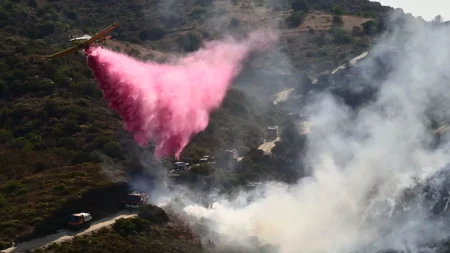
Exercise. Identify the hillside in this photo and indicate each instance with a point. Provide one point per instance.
(57, 134)
(131, 235)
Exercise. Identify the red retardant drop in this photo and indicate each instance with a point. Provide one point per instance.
(169, 103)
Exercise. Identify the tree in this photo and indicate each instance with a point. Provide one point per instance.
(369, 27)
(438, 19)
(356, 31)
(153, 213)
(4, 16)
(300, 5)
(340, 37)
(337, 20)
(337, 10)
(295, 19)
(190, 42)
(154, 33)
(322, 40)
(113, 149)
(32, 3)
(71, 15)
(124, 227)
(46, 29)
(234, 22)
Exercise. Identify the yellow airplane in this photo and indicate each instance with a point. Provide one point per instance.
(85, 41)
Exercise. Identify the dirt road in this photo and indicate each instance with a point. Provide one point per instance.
(267, 146)
(282, 96)
(66, 234)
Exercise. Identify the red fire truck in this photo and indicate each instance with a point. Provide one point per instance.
(135, 199)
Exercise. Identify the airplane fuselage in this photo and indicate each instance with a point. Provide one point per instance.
(80, 40)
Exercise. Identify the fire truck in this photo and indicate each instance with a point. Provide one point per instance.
(135, 199)
(80, 220)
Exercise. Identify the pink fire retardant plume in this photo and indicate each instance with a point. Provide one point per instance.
(169, 103)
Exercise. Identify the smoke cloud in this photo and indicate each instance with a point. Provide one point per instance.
(364, 161)
(169, 103)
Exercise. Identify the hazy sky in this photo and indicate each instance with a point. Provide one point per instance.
(428, 9)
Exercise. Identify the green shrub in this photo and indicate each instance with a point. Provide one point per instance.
(5, 136)
(341, 37)
(33, 138)
(60, 188)
(51, 106)
(204, 2)
(40, 166)
(14, 186)
(300, 5)
(37, 220)
(18, 74)
(203, 169)
(295, 19)
(234, 22)
(259, 3)
(173, 20)
(154, 33)
(113, 150)
(46, 29)
(199, 13)
(45, 86)
(4, 16)
(322, 40)
(99, 142)
(82, 157)
(153, 213)
(20, 143)
(337, 10)
(3, 201)
(369, 27)
(70, 143)
(337, 20)
(32, 3)
(71, 15)
(5, 244)
(190, 42)
(70, 127)
(124, 227)
(357, 31)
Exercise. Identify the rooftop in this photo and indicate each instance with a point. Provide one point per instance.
(81, 214)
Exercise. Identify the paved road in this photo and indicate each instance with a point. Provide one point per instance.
(64, 235)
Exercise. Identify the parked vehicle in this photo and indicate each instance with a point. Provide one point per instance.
(80, 220)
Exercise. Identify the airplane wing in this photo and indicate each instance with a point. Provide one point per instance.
(101, 34)
(64, 52)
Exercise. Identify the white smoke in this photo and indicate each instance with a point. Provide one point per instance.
(362, 162)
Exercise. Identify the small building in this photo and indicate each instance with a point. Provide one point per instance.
(233, 154)
(227, 158)
(207, 159)
(181, 166)
(272, 132)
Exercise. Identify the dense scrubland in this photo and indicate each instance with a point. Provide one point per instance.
(56, 132)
